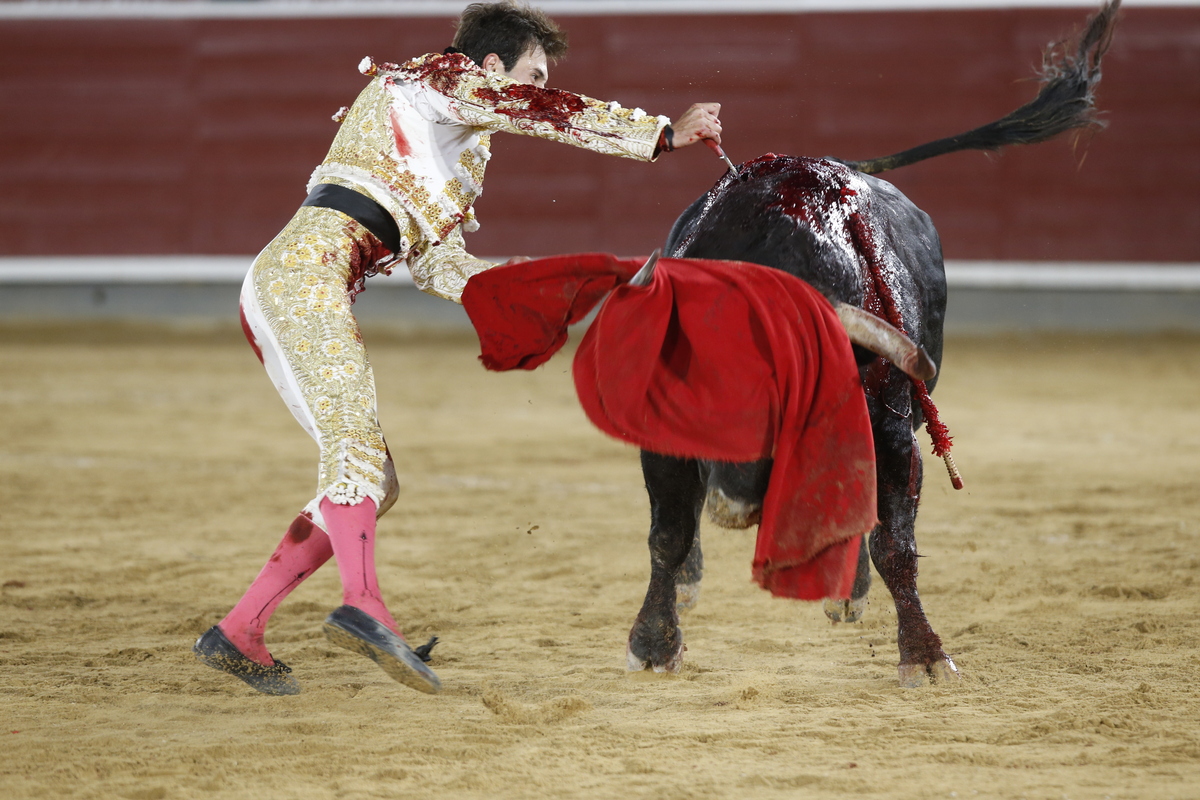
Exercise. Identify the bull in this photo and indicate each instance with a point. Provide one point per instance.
(865, 246)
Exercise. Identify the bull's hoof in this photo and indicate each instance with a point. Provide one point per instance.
(913, 676)
(687, 595)
(845, 610)
(672, 664)
(729, 512)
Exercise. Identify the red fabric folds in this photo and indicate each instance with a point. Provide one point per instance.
(521, 311)
(714, 360)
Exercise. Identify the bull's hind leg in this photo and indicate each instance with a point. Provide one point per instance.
(676, 490)
(894, 546)
(687, 579)
(734, 497)
(736, 491)
(852, 610)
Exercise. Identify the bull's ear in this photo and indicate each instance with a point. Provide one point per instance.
(646, 273)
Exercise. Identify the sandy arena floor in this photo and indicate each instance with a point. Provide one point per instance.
(148, 474)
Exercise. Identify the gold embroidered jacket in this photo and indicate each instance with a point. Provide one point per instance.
(416, 141)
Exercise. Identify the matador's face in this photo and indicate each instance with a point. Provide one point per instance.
(530, 67)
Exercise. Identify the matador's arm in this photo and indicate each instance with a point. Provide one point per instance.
(443, 269)
(497, 103)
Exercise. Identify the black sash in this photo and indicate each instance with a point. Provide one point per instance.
(360, 208)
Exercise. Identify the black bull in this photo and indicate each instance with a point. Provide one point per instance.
(857, 240)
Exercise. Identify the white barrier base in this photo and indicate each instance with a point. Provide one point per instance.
(985, 296)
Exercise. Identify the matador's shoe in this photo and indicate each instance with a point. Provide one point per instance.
(215, 650)
(358, 631)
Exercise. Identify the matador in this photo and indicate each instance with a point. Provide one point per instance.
(398, 185)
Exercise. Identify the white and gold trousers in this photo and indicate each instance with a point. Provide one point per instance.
(296, 311)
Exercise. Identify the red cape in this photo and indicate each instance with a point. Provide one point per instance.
(715, 360)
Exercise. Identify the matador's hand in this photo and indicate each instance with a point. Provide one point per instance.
(699, 122)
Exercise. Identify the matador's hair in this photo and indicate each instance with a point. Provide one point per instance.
(509, 29)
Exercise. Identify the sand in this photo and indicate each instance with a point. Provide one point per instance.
(149, 473)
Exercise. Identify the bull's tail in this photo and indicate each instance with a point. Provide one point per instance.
(1069, 74)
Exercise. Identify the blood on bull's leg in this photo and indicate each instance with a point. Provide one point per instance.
(676, 490)
(893, 541)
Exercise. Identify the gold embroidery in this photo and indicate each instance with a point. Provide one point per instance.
(472, 164)
(301, 282)
(444, 269)
(454, 189)
(432, 200)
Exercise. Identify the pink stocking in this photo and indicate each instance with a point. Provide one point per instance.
(352, 533)
(298, 555)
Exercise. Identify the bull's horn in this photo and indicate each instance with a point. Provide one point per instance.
(646, 273)
(869, 331)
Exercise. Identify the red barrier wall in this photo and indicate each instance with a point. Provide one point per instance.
(198, 136)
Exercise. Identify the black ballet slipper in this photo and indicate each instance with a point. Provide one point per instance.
(361, 633)
(215, 650)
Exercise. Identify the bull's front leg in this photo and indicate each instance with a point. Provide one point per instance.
(893, 541)
(676, 488)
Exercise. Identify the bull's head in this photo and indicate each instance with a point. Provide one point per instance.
(864, 329)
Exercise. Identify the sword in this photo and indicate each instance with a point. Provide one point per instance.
(716, 148)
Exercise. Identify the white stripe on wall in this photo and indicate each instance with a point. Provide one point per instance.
(1025, 275)
(139, 269)
(1073, 276)
(213, 9)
